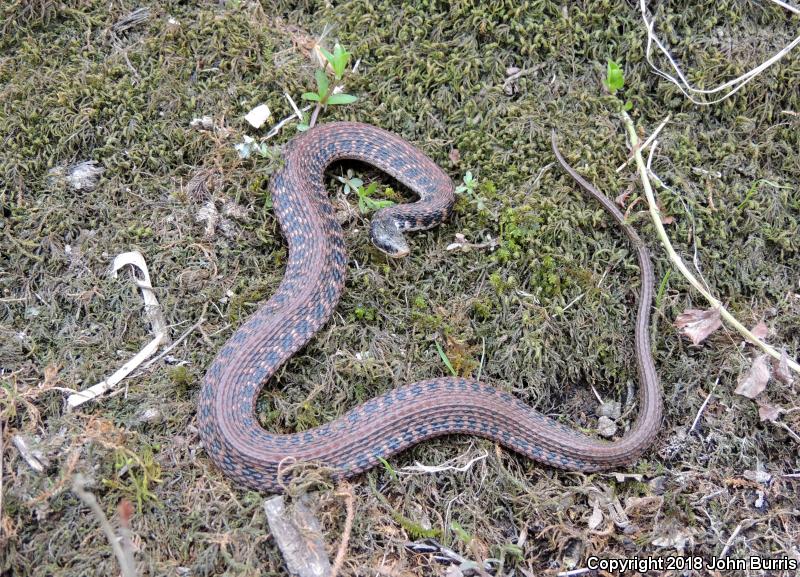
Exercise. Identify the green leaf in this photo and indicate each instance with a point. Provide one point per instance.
(342, 99)
(461, 533)
(662, 287)
(356, 183)
(303, 127)
(322, 83)
(328, 56)
(468, 177)
(370, 190)
(340, 59)
(389, 468)
(445, 360)
(415, 530)
(512, 550)
(614, 77)
(374, 204)
(628, 105)
(311, 96)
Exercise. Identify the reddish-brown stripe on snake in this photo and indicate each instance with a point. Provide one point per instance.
(305, 300)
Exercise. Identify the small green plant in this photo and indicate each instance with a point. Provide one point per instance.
(326, 90)
(662, 288)
(468, 186)
(250, 146)
(363, 313)
(615, 80)
(415, 530)
(141, 472)
(351, 182)
(509, 551)
(754, 188)
(389, 469)
(470, 189)
(366, 202)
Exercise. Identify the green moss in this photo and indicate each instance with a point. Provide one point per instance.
(482, 308)
(180, 376)
(546, 278)
(415, 530)
(550, 310)
(363, 313)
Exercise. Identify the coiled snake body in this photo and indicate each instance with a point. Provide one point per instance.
(405, 416)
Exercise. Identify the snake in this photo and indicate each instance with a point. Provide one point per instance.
(305, 299)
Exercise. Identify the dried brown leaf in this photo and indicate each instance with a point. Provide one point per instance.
(767, 412)
(755, 380)
(759, 476)
(320, 59)
(622, 197)
(298, 533)
(642, 505)
(761, 330)
(125, 511)
(782, 372)
(50, 375)
(697, 325)
(666, 219)
(455, 156)
(674, 538)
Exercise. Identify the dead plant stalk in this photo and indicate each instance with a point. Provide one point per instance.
(655, 215)
(346, 492)
(121, 548)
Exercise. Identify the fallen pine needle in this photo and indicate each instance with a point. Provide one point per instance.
(703, 407)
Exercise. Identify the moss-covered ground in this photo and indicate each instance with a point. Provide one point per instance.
(546, 315)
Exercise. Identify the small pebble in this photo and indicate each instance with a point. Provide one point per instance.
(606, 427)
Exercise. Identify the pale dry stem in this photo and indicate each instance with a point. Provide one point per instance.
(655, 215)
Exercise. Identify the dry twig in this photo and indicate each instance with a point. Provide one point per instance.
(158, 327)
(125, 558)
(655, 215)
(680, 80)
(703, 407)
(345, 491)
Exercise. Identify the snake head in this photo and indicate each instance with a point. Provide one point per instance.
(387, 237)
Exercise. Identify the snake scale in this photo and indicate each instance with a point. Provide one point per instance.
(305, 300)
